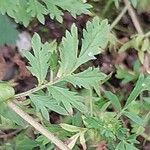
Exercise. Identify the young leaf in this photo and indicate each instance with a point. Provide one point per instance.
(87, 79)
(114, 99)
(43, 103)
(74, 7)
(38, 61)
(134, 117)
(69, 99)
(36, 9)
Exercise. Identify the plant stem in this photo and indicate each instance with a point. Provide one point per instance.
(37, 126)
(134, 17)
(119, 17)
(36, 89)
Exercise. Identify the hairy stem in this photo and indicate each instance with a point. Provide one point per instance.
(37, 126)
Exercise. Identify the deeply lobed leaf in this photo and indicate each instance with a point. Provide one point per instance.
(38, 61)
(68, 99)
(45, 103)
(95, 38)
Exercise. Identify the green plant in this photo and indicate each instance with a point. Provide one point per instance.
(77, 96)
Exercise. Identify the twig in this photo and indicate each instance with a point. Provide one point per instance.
(37, 126)
(115, 22)
(133, 17)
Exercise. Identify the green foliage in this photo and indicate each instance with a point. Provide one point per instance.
(38, 61)
(114, 99)
(24, 10)
(36, 9)
(134, 117)
(87, 79)
(42, 103)
(69, 99)
(141, 85)
(86, 115)
(95, 38)
(8, 32)
(74, 7)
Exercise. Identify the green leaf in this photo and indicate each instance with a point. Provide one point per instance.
(71, 128)
(40, 60)
(21, 15)
(88, 79)
(136, 91)
(74, 7)
(134, 117)
(114, 99)
(8, 31)
(43, 103)
(23, 10)
(36, 9)
(141, 85)
(53, 10)
(6, 92)
(95, 38)
(68, 51)
(8, 6)
(93, 123)
(69, 99)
